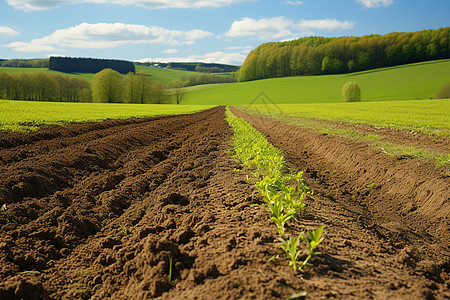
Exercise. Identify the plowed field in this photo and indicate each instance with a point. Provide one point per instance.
(94, 211)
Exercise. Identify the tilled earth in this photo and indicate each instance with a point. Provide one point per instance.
(95, 211)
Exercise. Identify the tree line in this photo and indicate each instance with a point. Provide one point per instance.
(107, 86)
(89, 65)
(208, 79)
(194, 67)
(321, 55)
(25, 63)
(40, 86)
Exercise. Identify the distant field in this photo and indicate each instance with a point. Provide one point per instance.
(165, 75)
(27, 115)
(423, 116)
(408, 82)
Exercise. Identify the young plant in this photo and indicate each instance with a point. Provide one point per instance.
(125, 229)
(311, 243)
(290, 246)
(170, 269)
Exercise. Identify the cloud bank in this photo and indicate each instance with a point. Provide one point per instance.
(221, 57)
(108, 35)
(30, 5)
(375, 3)
(282, 27)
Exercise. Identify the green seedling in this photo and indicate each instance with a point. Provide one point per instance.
(290, 246)
(311, 244)
(370, 186)
(125, 230)
(170, 269)
(28, 272)
(280, 221)
(5, 216)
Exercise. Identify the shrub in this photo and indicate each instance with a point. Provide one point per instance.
(444, 92)
(351, 92)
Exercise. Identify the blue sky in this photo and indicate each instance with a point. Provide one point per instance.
(222, 31)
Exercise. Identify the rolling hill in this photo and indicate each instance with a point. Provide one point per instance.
(406, 82)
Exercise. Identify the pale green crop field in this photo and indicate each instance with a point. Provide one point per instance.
(421, 116)
(27, 115)
(408, 82)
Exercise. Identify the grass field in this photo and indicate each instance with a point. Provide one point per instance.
(422, 116)
(27, 115)
(408, 82)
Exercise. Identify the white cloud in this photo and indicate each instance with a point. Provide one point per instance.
(171, 51)
(243, 48)
(7, 31)
(266, 28)
(29, 5)
(325, 24)
(108, 35)
(375, 3)
(282, 27)
(295, 3)
(229, 58)
(32, 47)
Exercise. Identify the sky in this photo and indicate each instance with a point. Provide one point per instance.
(220, 31)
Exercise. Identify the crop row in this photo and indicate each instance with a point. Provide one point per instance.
(282, 193)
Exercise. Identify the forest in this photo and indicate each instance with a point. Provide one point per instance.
(321, 55)
(89, 65)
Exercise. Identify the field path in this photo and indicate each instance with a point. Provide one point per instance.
(93, 211)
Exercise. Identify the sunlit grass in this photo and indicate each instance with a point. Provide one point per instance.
(27, 115)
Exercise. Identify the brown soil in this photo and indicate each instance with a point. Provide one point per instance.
(94, 210)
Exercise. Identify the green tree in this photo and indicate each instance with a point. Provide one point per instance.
(107, 86)
(158, 94)
(351, 92)
(444, 92)
(177, 90)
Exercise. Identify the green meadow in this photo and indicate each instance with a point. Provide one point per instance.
(408, 82)
(27, 115)
(421, 116)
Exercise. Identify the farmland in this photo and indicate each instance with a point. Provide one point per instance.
(103, 210)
